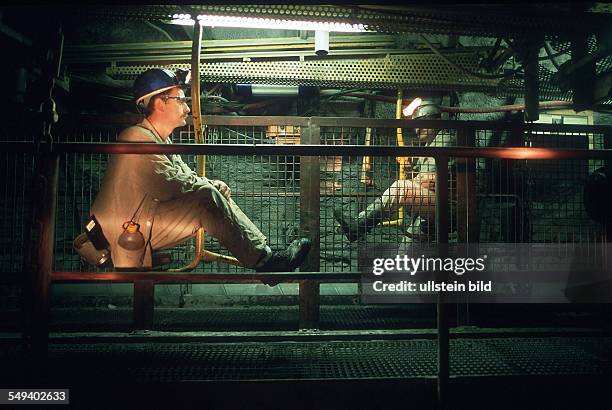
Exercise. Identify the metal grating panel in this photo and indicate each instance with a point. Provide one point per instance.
(468, 20)
(153, 362)
(417, 71)
(227, 319)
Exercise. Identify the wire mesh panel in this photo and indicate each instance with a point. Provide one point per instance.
(502, 192)
(513, 201)
(535, 200)
(556, 208)
(406, 196)
(15, 194)
(80, 177)
(265, 187)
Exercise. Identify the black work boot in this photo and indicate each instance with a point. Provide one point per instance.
(367, 219)
(289, 259)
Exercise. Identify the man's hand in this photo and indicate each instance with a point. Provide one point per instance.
(426, 180)
(406, 162)
(222, 187)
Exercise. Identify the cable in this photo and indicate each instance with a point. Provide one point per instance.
(555, 55)
(465, 70)
(148, 23)
(550, 56)
(342, 92)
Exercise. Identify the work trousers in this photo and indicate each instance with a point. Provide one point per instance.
(178, 219)
(416, 199)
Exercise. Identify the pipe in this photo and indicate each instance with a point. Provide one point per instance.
(401, 160)
(366, 162)
(505, 108)
(234, 277)
(201, 254)
(325, 150)
(273, 90)
(442, 310)
(196, 115)
(321, 42)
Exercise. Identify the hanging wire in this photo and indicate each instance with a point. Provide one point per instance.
(465, 70)
(549, 53)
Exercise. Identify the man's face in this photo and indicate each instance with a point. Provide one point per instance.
(175, 109)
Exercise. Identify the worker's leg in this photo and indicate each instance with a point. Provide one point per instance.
(177, 220)
(417, 199)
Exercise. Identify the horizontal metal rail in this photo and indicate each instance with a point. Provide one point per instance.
(255, 121)
(180, 51)
(212, 46)
(180, 277)
(309, 150)
(396, 123)
(178, 58)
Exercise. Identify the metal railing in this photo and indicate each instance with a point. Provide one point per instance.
(39, 273)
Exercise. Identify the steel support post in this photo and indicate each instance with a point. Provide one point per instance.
(607, 144)
(442, 314)
(467, 223)
(144, 301)
(309, 225)
(39, 263)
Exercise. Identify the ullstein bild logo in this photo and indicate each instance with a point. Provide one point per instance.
(406, 264)
(432, 286)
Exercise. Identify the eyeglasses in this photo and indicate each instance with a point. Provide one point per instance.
(181, 100)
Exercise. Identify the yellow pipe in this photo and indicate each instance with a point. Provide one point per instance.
(196, 113)
(366, 162)
(201, 254)
(401, 160)
(209, 256)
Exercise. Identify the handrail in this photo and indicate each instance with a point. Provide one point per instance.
(362, 122)
(182, 277)
(310, 150)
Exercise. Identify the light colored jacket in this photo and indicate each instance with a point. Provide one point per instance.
(127, 179)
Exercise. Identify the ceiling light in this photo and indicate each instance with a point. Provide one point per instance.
(265, 23)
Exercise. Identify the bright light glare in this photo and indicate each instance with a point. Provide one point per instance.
(267, 23)
(409, 109)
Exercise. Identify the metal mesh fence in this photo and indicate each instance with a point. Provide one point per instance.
(535, 200)
(356, 183)
(511, 201)
(15, 200)
(80, 177)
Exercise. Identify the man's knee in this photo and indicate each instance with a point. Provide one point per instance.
(208, 194)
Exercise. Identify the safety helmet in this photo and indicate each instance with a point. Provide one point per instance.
(429, 108)
(155, 81)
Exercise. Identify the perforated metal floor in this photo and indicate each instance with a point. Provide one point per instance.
(340, 317)
(164, 362)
